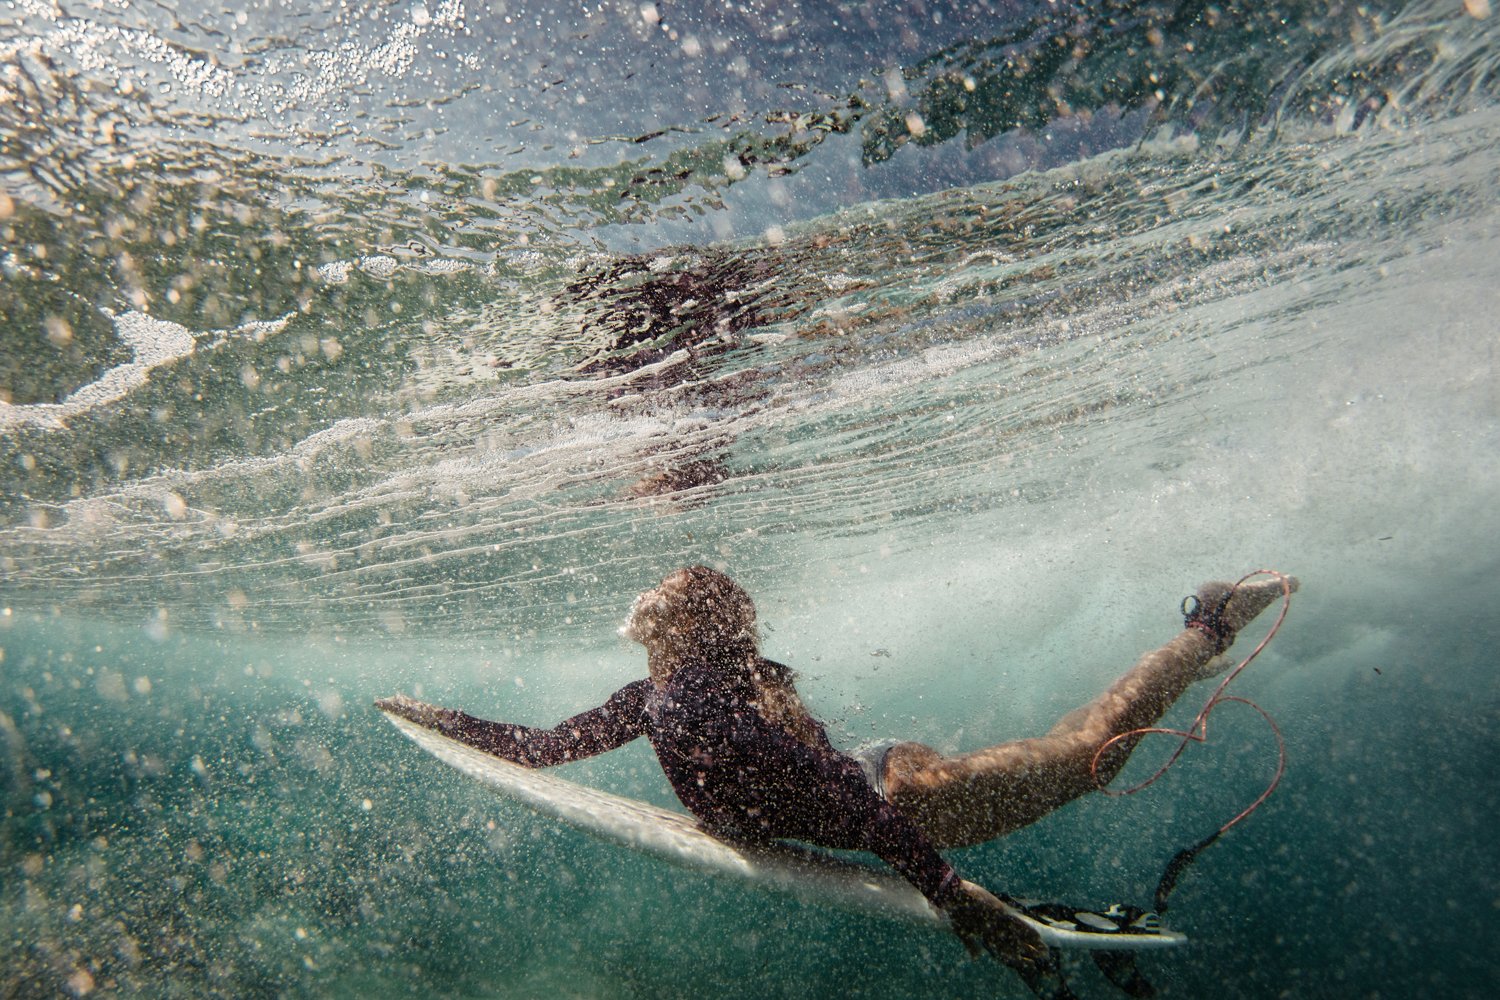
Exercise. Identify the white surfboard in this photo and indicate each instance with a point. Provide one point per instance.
(676, 838)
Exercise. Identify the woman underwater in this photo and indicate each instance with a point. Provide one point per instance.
(751, 763)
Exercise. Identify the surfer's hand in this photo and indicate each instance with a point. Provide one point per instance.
(420, 712)
(981, 921)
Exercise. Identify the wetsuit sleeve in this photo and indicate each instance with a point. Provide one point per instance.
(618, 721)
(814, 794)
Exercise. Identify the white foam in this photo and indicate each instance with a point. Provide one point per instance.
(153, 342)
(338, 433)
(299, 79)
(378, 265)
(335, 272)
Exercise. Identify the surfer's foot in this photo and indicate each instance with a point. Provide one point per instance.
(420, 712)
(1226, 609)
(982, 922)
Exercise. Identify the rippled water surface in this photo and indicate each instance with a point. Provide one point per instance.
(396, 346)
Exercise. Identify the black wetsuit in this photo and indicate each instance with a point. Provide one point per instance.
(743, 777)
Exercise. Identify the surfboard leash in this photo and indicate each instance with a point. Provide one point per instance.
(1207, 620)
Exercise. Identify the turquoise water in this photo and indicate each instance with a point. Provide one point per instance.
(397, 348)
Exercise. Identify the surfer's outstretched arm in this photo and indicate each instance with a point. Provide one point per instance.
(611, 725)
(974, 797)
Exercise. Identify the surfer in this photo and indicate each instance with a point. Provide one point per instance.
(746, 757)
(753, 765)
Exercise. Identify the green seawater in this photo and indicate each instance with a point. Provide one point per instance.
(196, 816)
(398, 346)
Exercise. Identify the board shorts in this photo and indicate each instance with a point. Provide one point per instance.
(871, 759)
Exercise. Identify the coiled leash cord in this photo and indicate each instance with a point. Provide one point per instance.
(1211, 622)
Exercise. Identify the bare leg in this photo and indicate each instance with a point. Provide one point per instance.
(978, 796)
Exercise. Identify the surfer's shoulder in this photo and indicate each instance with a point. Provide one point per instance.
(700, 687)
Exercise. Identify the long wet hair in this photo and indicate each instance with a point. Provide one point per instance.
(714, 618)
